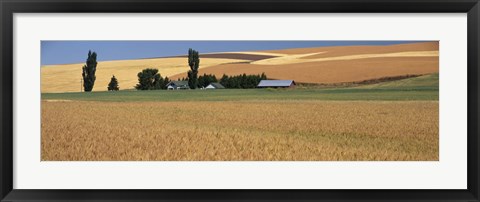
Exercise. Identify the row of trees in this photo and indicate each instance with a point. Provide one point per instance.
(150, 79)
(242, 81)
(237, 81)
(203, 80)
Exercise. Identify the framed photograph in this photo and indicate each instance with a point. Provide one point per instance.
(239, 100)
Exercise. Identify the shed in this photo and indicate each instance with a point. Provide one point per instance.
(215, 86)
(276, 84)
(176, 85)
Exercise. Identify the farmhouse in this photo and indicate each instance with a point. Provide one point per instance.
(215, 86)
(177, 85)
(276, 84)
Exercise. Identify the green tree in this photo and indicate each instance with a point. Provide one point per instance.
(165, 82)
(193, 62)
(224, 81)
(210, 79)
(243, 81)
(88, 71)
(113, 85)
(202, 80)
(149, 79)
(239, 81)
(263, 76)
(206, 79)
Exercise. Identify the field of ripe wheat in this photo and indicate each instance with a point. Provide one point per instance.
(262, 130)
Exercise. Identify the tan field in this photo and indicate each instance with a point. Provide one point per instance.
(307, 65)
(334, 71)
(335, 51)
(67, 78)
(329, 65)
(261, 53)
(303, 58)
(259, 130)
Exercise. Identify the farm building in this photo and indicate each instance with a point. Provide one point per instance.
(177, 85)
(215, 86)
(276, 84)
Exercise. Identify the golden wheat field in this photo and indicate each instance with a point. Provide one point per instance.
(240, 130)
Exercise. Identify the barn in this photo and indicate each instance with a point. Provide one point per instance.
(215, 86)
(177, 85)
(276, 84)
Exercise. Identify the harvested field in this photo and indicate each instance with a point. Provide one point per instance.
(303, 58)
(335, 51)
(260, 53)
(337, 71)
(299, 130)
(237, 56)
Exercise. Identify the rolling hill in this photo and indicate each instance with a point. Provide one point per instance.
(326, 65)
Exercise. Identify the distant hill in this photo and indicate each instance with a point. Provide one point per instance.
(340, 64)
(306, 65)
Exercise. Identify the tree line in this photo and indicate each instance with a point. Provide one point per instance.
(242, 81)
(236, 81)
(150, 78)
(203, 80)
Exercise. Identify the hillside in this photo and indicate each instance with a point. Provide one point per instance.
(339, 64)
(307, 65)
(67, 78)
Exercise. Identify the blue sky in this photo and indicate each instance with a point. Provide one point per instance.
(66, 52)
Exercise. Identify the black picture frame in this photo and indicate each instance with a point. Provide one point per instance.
(9, 7)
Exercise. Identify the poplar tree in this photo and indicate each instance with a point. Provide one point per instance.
(88, 71)
(193, 62)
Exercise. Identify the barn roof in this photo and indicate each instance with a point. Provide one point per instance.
(178, 83)
(217, 85)
(275, 83)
